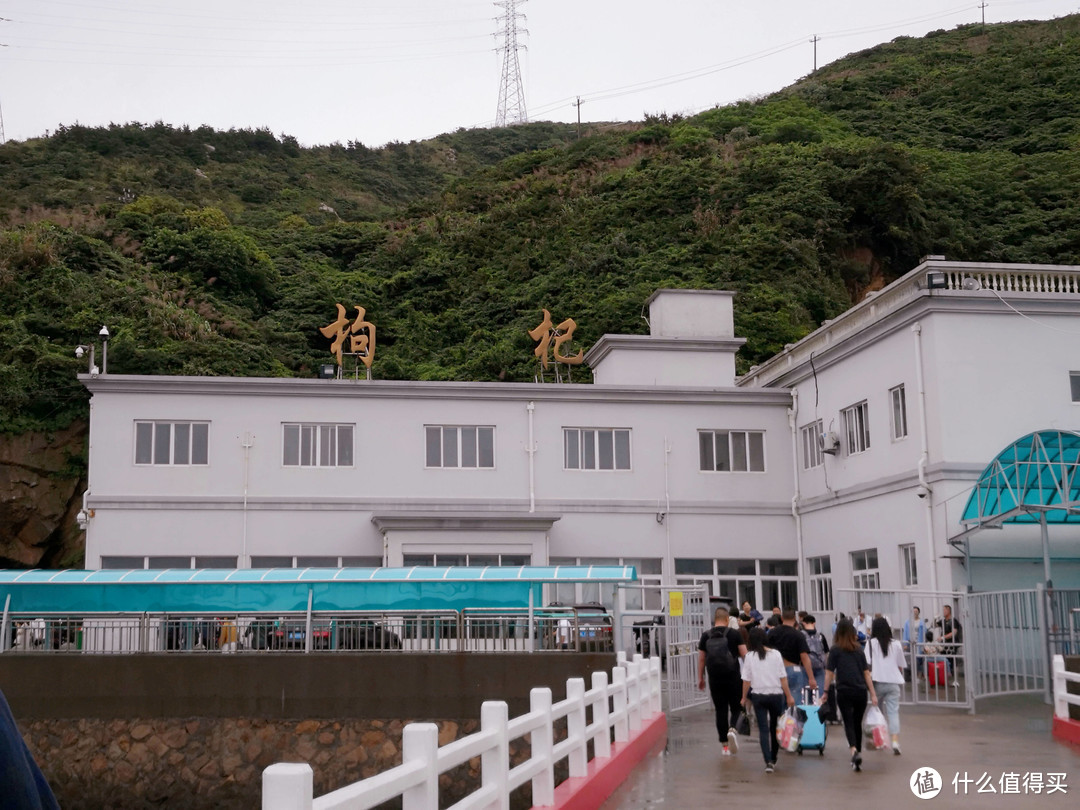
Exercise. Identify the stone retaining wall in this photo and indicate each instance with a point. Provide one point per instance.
(216, 762)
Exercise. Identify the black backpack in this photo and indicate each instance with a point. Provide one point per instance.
(718, 658)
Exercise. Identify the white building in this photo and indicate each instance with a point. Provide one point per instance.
(666, 461)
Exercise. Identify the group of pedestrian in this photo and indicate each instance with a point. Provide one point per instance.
(751, 669)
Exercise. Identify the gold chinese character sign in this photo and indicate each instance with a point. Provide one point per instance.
(361, 335)
(554, 337)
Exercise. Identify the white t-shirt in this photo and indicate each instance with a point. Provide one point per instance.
(764, 676)
(886, 668)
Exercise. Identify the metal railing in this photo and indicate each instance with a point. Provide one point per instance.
(617, 709)
(472, 629)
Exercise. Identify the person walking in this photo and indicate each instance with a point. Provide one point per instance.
(847, 666)
(795, 651)
(819, 649)
(719, 653)
(763, 672)
(887, 664)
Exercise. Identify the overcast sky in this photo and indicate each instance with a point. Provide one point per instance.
(381, 70)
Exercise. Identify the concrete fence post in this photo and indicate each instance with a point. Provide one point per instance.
(618, 699)
(495, 761)
(542, 741)
(578, 759)
(633, 694)
(1061, 704)
(288, 786)
(420, 743)
(601, 717)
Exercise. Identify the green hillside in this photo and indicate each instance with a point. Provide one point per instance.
(212, 252)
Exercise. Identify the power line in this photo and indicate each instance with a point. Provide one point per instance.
(511, 109)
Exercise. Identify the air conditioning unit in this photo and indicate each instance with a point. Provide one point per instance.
(829, 443)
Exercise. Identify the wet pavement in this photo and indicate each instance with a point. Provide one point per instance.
(1006, 736)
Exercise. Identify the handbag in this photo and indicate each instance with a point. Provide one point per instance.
(742, 725)
(875, 728)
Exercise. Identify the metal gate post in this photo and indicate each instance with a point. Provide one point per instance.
(1044, 613)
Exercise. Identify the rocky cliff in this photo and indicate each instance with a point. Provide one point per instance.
(42, 479)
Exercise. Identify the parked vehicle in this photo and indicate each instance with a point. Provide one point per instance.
(364, 634)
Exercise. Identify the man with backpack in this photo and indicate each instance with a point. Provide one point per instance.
(719, 653)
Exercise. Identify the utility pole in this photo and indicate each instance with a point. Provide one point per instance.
(511, 93)
(815, 40)
(576, 104)
(982, 7)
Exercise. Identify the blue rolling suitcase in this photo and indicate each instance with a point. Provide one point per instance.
(814, 731)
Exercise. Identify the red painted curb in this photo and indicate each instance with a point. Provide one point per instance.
(605, 775)
(1067, 730)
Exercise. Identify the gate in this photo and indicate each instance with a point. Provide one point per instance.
(1008, 650)
(685, 621)
(939, 673)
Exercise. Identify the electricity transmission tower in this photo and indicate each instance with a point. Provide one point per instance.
(511, 93)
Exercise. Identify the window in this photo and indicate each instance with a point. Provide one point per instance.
(215, 562)
(159, 563)
(899, 412)
(315, 445)
(460, 446)
(820, 572)
(856, 428)
(811, 446)
(596, 449)
(123, 562)
(773, 582)
(732, 450)
(171, 443)
(276, 561)
(1074, 384)
(907, 565)
(864, 570)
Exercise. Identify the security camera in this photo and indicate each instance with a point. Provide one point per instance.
(94, 371)
(922, 490)
(79, 351)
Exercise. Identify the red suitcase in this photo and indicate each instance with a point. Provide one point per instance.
(935, 673)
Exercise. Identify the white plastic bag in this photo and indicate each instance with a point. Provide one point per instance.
(875, 728)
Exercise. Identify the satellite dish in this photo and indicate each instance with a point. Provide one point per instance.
(970, 283)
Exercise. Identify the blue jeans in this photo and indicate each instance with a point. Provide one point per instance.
(888, 695)
(767, 710)
(797, 681)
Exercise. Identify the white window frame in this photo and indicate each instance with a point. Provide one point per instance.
(738, 445)
(856, 420)
(457, 434)
(864, 575)
(898, 405)
(819, 570)
(813, 455)
(577, 441)
(174, 442)
(321, 451)
(908, 565)
(1074, 385)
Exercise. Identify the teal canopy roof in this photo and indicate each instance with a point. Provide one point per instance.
(1033, 476)
(289, 589)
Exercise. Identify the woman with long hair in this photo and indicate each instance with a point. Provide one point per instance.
(847, 667)
(763, 672)
(887, 665)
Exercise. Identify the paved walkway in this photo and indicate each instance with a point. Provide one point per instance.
(1007, 736)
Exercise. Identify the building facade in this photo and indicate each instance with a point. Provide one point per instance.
(842, 461)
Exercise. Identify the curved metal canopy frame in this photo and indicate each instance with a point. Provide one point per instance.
(1034, 478)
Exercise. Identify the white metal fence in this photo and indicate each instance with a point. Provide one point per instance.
(609, 710)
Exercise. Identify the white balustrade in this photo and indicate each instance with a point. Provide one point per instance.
(1062, 698)
(619, 708)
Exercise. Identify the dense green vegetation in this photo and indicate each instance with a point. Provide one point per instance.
(212, 252)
